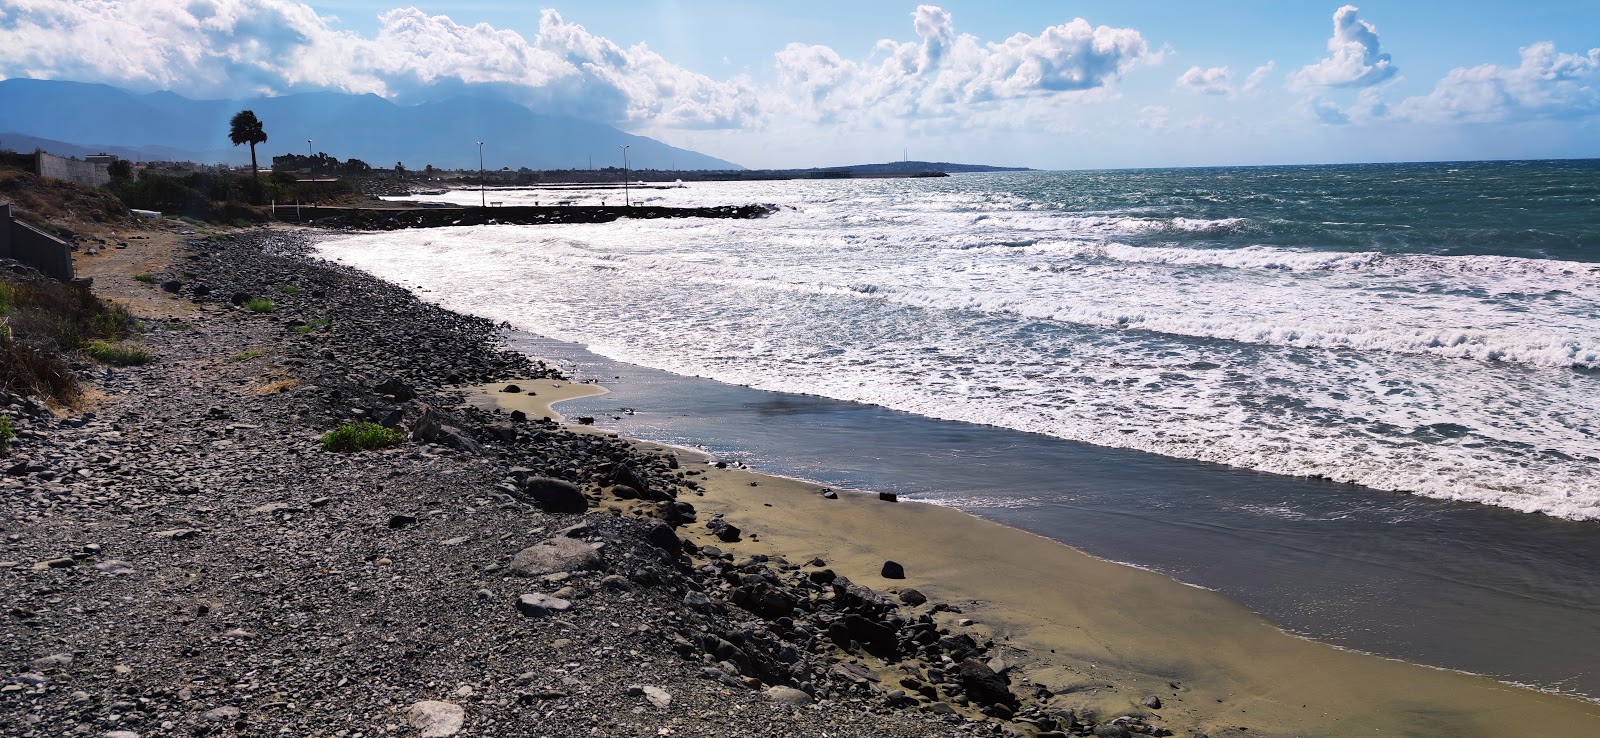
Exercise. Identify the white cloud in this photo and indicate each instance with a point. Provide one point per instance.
(1355, 57)
(226, 48)
(1257, 76)
(945, 73)
(1213, 81)
(1547, 83)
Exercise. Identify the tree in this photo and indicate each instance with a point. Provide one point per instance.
(121, 170)
(245, 128)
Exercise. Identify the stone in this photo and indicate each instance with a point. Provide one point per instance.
(912, 597)
(1151, 701)
(888, 497)
(436, 719)
(538, 605)
(115, 567)
(697, 601)
(983, 685)
(119, 734)
(1111, 731)
(661, 536)
(728, 533)
(657, 696)
(397, 522)
(226, 714)
(788, 695)
(510, 388)
(828, 494)
(892, 570)
(177, 534)
(53, 661)
(624, 475)
(555, 495)
(556, 554)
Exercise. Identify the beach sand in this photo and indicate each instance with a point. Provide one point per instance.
(1101, 635)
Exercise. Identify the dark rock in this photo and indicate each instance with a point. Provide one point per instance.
(828, 494)
(517, 416)
(510, 388)
(1153, 702)
(585, 420)
(763, 599)
(661, 536)
(822, 576)
(728, 533)
(401, 391)
(892, 570)
(172, 285)
(397, 522)
(888, 497)
(912, 597)
(983, 685)
(556, 495)
(538, 605)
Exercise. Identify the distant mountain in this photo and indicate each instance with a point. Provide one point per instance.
(366, 127)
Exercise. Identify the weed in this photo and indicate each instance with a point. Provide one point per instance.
(111, 322)
(363, 436)
(282, 385)
(116, 355)
(6, 432)
(313, 325)
(260, 305)
(8, 299)
(145, 278)
(240, 223)
(289, 289)
(246, 356)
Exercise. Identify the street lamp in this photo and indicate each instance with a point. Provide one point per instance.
(482, 198)
(625, 202)
(308, 154)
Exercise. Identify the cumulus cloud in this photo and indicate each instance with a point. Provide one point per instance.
(943, 72)
(1213, 81)
(1355, 57)
(225, 48)
(1547, 83)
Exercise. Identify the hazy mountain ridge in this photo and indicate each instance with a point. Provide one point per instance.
(366, 127)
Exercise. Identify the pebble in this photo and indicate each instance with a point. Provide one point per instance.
(435, 719)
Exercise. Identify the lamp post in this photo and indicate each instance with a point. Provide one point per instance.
(308, 155)
(482, 198)
(625, 201)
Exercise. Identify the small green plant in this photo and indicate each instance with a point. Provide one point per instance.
(115, 355)
(145, 278)
(260, 305)
(240, 223)
(313, 325)
(8, 299)
(362, 436)
(7, 432)
(289, 289)
(112, 322)
(245, 356)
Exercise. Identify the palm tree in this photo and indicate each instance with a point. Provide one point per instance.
(245, 128)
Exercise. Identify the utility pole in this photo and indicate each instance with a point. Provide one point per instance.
(625, 201)
(483, 198)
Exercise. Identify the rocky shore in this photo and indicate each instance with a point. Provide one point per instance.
(185, 559)
(394, 218)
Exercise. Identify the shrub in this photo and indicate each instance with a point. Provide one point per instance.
(260, 305)
(145, 278)
(42, 322)
(115, 355)
(7, 433)
(362, 436)
(313, 325)
(289, 289)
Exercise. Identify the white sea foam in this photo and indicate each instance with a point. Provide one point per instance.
(1459, 377)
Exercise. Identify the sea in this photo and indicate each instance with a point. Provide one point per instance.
(1360, 399)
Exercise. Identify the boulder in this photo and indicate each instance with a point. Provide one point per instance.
(912, 597)
(554, 555)
(788, 696)
(984, 686)
(538, 605)
(436, 719)
(662, 537)
(892, 570)
(555, 495)
(402, 392)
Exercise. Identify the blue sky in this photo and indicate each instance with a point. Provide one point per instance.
(1044, 84)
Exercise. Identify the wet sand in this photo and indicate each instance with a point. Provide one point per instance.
(1102, 635)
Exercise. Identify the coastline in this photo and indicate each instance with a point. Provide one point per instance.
(409, 553)
(1104, 635)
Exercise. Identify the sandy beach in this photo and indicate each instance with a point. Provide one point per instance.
(1101, 635)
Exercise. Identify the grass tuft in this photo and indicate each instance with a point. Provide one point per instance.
(363, 436)
(116, 355)
(245, 356)
(145, 278)
(7, 432)
(260, 305)
(289, 289)
(312, 325)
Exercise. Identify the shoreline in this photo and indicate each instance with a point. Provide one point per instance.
(1235, 672)
(215, 499)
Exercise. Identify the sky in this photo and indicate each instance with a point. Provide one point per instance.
(1052, 85)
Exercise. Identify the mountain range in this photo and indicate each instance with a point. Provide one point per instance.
(168, 126)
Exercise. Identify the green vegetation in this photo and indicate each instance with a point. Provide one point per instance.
(7, 433)
(42, 324)
(178, 325)
(362, 436)
(260, 305)
(245, 356)
(289, 289)
(313, 325)
(246, 128)
(145, 278)
(117, 355)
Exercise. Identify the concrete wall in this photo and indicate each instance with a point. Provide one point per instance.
(34, 247)
(86, 173)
